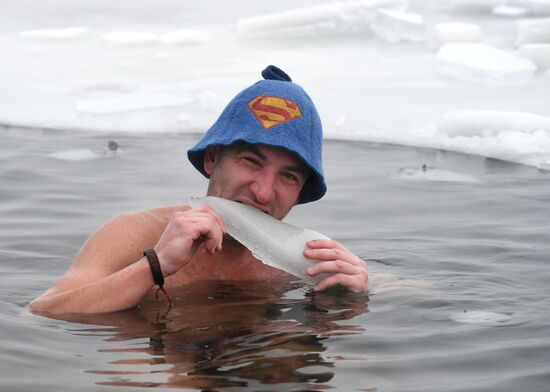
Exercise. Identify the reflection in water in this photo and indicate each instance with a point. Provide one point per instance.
(220, 335)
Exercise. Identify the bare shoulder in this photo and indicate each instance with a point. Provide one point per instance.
(114, 246)
(122, 239)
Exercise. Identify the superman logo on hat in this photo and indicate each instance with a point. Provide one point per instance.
(271, 111)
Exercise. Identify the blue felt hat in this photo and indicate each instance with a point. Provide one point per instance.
(274, 112)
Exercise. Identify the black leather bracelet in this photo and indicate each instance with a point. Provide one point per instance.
(154, 264)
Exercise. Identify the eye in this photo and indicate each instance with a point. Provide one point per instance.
(251, 161)
(291, 177)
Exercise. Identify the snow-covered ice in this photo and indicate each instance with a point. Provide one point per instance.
(537, 53)
(63, 33)
(444, 33)
(132, 69)
(129, 102)
(481, 62)
(531, 31)
(394, 25)
(333, 18)
(487, 122)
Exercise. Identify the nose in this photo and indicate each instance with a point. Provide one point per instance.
(263, 187)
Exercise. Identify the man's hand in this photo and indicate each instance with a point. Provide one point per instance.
(183, 235)
(345, 268)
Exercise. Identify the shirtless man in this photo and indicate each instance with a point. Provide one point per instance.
(265, 151)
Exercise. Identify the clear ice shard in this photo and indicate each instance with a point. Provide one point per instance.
(275, 243)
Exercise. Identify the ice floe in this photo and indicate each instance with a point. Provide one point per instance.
(395, 25)
(481, 62)
(86, 154)
(531, 31)
(481, 317)
(510, 10)
(335, 18)
(539, 54)
(444, 33)
(426, 173)
(63, 33)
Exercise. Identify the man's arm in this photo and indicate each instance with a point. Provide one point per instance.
(109, 273)
(345, 268)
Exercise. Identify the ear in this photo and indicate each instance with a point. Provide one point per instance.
(210, 159)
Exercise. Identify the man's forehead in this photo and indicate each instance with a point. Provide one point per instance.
(265, 150)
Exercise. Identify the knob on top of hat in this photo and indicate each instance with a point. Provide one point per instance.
(274, 73)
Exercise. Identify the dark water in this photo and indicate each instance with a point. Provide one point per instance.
(460, 273)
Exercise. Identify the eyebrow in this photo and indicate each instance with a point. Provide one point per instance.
(299, 169)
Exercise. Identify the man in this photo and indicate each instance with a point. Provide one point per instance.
(264, 151)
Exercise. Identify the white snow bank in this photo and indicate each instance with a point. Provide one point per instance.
(64, 33)
(481, 62)
(510, 136)
(335, 18)
(444, 33)
(396, 25)
(488, 122)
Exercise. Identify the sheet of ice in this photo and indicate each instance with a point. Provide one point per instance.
(434, 175)
(275, 243)
(531, 31)
(335, 18)
(86, 154)
(394, 25)
(481, 317)
(537, 53)
(490, 123)
(443, 33)
(483, 63)
(129, 102)
(81, 154)
(64, 33)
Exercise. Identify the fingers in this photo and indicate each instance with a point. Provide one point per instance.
(332, 254)
(185, 232)
(334, 267)
(354, 283)
(343, 267)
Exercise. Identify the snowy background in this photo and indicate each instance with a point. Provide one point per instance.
(461, 75)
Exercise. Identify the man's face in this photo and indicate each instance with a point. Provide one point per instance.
(263, 177)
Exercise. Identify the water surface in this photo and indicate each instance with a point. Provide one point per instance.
(457, 247)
